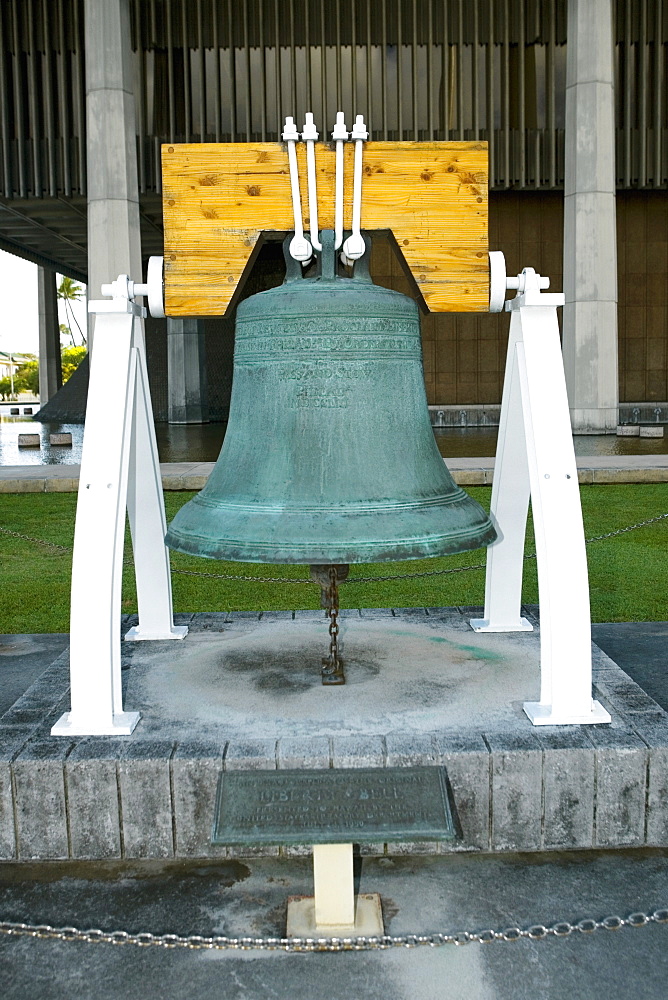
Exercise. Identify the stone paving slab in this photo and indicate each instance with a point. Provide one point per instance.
(151, 795)
(465, 472)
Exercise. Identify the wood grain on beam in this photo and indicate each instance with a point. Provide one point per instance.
(220, 197)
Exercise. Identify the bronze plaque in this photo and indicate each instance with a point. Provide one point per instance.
(333, 807)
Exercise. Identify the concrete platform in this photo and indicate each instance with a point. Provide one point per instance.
(243, 692)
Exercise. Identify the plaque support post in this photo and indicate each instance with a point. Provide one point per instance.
(535, 460)
(333, 910)
(119, 472)
(334, 893)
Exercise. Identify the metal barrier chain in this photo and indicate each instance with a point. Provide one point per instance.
(144, 939)
(38, 541)
(630, 527)
(354, 579)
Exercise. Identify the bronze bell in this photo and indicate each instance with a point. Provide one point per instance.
(329, 456)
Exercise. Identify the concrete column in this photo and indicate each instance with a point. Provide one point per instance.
(590, 244)
(186, 372)
(50, 373)
(114, 242)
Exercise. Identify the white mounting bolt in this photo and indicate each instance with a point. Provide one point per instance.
(354, 246)
(359, 129)
(340, 129)
(310, 135)
(340, 135)
(290, 133)
(300, 248)
(122, 288)
(527, 279)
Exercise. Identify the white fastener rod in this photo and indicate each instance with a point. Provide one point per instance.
(354, 246)
(340, 135)
(310, 135)
(333, 884)
(300, 248)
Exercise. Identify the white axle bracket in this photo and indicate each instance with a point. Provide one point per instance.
(535, 460)
(119, 471)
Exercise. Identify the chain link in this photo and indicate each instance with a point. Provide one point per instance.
(332, 666)
(38, 541)
(354, 579)
(199, 942)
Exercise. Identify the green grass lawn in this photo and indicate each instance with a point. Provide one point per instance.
(628, 573)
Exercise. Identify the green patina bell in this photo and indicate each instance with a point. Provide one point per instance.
(329, 456)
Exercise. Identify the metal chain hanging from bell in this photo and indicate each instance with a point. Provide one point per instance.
(328, 577)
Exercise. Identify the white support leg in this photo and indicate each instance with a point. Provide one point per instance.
(146, 513)
(114, 420)
(535, 441)
(509, 508)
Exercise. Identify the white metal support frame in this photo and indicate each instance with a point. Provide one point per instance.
(119, 471)
(535, 460)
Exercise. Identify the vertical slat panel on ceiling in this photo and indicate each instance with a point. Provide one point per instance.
(34, 129)
(19, 92)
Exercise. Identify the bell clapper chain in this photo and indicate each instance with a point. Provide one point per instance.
(339, 135)
(332, 666)
(354, 246)
(328, 577)
(310, 136)
(300, 248)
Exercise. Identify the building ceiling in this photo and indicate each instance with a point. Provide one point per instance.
(52, 232)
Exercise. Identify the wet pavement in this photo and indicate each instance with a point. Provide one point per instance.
(420, 895)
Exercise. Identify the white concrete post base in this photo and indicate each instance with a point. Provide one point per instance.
(483, 625)
(333, 910)
(548, 715)
(138, 634)
(120, 724)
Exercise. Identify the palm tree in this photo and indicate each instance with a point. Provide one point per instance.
(69, 291)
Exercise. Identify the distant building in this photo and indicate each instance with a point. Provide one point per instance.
(10, 362)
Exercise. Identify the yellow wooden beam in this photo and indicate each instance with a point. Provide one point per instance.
(220, 197)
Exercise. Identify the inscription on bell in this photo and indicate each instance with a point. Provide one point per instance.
(263, 345)
(333, 806)
(352, 372)
(314, 398)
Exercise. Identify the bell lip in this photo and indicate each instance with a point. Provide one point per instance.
(427, 547)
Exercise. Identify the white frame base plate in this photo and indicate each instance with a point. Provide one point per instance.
(482, 625)
(544, 715)
(135, 634)
(123, 724)
(368, 918)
